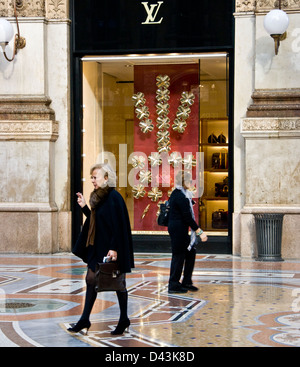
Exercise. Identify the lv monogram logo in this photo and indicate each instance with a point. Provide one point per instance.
(152, 12)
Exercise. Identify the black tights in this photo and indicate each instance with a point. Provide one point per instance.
(91, 295)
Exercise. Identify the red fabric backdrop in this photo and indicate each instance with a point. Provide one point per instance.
(182, 78)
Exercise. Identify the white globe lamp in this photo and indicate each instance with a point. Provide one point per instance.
(276, 23)
(6, 32)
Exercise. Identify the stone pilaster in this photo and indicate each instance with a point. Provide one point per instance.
(267, 126)
(34, 146)
(272, 172)
(28, 213)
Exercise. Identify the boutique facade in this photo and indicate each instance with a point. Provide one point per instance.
(151, 87)
(155, 94)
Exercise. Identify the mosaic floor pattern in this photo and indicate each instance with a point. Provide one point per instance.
(240, 302)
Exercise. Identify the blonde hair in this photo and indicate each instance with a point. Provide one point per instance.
(109, 173)
(182, 177)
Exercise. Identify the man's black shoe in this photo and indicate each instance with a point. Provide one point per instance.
(190, 287)
(179, 290)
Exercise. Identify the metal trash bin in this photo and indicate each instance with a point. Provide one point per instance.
(268, 236)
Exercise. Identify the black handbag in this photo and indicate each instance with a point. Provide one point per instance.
(222, 139)
(221, 188)
(220, 219)
(108, 277)
(220, 160)
(163, 216)
(212, 139)
(215, 160)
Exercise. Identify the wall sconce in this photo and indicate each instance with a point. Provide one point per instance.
(6, 34)
(276, 23)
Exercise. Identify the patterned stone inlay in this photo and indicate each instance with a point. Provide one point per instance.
(29, 305)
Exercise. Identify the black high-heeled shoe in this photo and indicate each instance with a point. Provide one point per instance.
(122, 325)
(81, 325)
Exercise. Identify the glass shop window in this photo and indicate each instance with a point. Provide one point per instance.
(151, 116)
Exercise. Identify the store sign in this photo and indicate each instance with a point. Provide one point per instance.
(126, 26)
(152, 12)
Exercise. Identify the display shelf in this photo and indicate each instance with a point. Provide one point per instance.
(214, 144)
(216, 170)
(215, 198)
(213, 206)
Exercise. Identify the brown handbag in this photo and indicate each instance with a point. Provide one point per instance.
(108, 277)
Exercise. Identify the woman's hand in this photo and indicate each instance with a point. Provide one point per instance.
(113, 255)
(203, 237)
(81, 200)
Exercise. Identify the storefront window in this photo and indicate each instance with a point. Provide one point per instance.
(214, 142)
(150, 117)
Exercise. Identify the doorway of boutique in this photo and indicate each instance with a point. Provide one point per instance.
(150, 116)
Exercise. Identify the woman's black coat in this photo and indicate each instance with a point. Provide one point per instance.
(180, 219)
(112, 232)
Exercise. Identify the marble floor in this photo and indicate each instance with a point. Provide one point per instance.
(240, 303)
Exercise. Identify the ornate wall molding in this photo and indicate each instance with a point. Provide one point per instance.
(57, 9)
(275, 124)
(27, 118)
(15, 107)
(270, 127)
(31, 130)
(265, 5)
(49, 9)
(275, 103)
(29, 8)
(243, 6)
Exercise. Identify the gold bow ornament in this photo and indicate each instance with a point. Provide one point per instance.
(146, 126)
(163, 81)
(155, 159)
(138, 161)
(155, 194)
(138, 191)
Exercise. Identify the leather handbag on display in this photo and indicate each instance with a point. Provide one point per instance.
(221, 188)
(215, 160)
(222, 139)
(108, 277)
(212, 139)
(220, 219)
(220, 160)
(223, 159)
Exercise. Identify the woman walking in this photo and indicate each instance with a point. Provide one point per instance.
(181, 217)
(106, 232)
